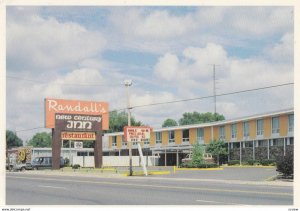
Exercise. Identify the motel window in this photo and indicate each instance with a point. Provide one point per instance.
(262, 143)
(146, 141)
(222, 132)
(200, 135)
(246, 129)
(134, 142)
(248, 144)
(277, 142)
(114, 141)
(290, 141)
(158, 137)
(171, 136)
(233, 131)
(260, 127)
(185, 135)
(235, 145)
(291, 122)
(82, 153)
(275, 124)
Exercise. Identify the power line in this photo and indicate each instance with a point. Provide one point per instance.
(185, 100)
(210, 96)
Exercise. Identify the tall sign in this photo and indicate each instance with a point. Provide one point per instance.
(76, 120)
(53, 106)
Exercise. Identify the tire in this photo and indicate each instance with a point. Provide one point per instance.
(23, 169)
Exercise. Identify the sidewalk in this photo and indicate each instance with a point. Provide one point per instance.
(287, 183)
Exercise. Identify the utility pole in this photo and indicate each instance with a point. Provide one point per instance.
(214, 81)
(215, 98)
(127, 84)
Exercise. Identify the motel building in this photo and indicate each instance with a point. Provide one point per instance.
(258, 137)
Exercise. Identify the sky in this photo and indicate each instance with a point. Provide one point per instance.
(86, 53)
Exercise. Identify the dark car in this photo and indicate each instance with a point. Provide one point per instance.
(44, 163)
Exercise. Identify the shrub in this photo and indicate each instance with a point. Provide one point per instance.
(186, 165)
(233, 162)
(197, 154)
(268, 162)
(76, 166)
(253, 162)
(199, 165)
(207, 165)
(285, 165)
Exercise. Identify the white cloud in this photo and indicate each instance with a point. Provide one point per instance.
(260, 21)
(283, 51)
(168, 67)
(158, 24)
(194, 71)
(191, 76)
(161, 24)
(37, 44)
(160, 31)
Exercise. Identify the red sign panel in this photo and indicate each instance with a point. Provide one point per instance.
(136, 133)
(53, 106)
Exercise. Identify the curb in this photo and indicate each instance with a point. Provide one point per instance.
(193, 169)
(249, 166)
(149, 173)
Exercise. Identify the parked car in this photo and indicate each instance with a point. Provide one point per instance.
(206, 156)
(44, 163)
(18, 166)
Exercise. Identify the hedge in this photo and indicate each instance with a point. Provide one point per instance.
(199, 165)
(233, 162)
(253, 162)
(270, 162)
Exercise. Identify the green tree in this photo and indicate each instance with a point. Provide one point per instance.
(169, 123)
(217, 149)
(197, 154)
(117, 121)
(12, 140)
(40, 140)
(285, 165)
(197, 118)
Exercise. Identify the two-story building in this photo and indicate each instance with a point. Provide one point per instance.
(261, 137)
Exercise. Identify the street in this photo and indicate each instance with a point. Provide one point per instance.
(38, 189)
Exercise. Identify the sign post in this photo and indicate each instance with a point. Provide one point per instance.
(142, 158)
(137, 134)
(76, 120)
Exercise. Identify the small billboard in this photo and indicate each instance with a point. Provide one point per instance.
(136, 133)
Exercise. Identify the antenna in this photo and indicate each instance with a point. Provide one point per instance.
(214, 81)
(214, 89)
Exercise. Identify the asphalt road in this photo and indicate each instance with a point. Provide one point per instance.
(42, 189)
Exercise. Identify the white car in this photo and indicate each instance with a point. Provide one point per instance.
(206, 156)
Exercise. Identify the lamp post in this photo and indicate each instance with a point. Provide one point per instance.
(127, 84)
